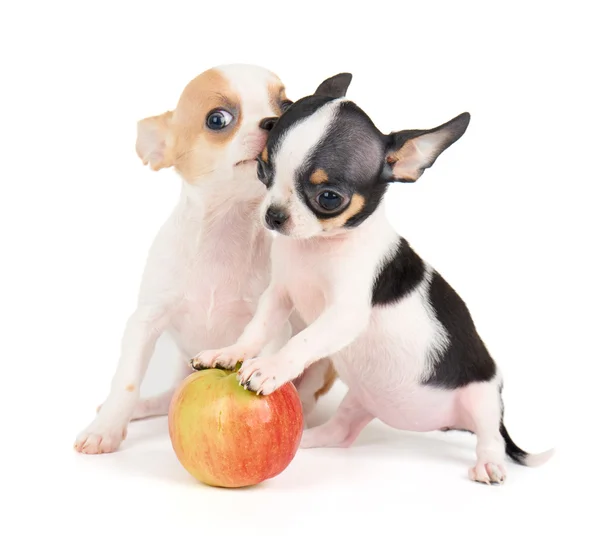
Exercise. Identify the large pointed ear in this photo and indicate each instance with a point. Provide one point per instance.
(411, 152)
(335, 86)
(151, 143)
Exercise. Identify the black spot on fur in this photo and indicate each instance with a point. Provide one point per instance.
(399, 276)
(466, 358)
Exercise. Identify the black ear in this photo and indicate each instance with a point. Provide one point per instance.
(335, 86)
(411, 152)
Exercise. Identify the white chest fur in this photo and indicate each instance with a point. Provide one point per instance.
(209, 265)
(396, 350)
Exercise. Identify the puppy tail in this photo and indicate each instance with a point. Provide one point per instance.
(522, 457)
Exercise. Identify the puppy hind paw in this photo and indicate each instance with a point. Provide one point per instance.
(97, 441)
(488, 472)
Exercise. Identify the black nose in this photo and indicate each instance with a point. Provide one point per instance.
(275, 218)
(268, 123)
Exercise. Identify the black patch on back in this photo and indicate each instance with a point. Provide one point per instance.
(466, 358)
(399, 276)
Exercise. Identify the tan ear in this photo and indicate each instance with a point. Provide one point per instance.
(152, 137)
(411, 152)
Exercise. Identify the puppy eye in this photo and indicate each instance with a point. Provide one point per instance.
(328, 200)
(218, 119)
(285, 105)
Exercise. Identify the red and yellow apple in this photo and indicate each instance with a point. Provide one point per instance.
(227, 436)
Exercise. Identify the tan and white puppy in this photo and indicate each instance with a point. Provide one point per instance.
(209, 263)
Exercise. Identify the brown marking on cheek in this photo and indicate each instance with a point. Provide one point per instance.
(196, 149)
(129, 388)
(276, 97)
(330, 377)
(265, 155)
(318, 177)
(357, 203)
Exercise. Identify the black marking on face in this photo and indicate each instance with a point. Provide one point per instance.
(466, 358)
(351, 155)
(399, 276)
(294, 113)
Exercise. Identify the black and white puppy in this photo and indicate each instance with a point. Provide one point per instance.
(400, 337)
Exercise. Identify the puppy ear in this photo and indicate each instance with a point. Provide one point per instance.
(335, 86)
(151, 143)
(411, 152)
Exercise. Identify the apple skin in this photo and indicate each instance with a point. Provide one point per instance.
(226, 436)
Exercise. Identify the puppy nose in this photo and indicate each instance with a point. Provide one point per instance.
(275, 218)
(267, 123)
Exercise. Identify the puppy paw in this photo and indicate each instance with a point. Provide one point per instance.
(488, 473)
(320, 436)
(223, 358)
(97, 439)
(263, 375)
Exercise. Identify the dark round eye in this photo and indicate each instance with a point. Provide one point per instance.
(328, 200)
(285, 105)
(218, 119)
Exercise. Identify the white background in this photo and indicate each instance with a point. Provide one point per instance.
(509, 215)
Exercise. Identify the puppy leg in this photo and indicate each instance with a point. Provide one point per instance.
(155, 406)
(317, 379)
(336, 327)
(106, 432)
(314, 382)
(158, 405)
(271, 315)
(481, 410)
(342, 429)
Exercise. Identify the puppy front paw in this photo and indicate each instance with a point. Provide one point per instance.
(263, 375)
(223, 358)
